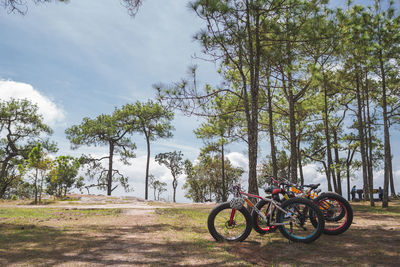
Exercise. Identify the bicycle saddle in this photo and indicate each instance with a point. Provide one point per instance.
(313, 186)
(270, 189)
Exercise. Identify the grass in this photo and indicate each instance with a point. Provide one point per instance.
(178, 235)
(43, 213)
(191, 224)
(70, 199)
(24, 216)
(392, 210)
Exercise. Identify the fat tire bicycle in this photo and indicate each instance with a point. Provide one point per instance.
(337, 211)
(231, 221)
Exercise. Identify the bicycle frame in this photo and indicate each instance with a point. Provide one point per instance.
(309, 194)
(270, 200)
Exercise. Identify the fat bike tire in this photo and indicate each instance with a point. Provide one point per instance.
(335, 224)
(223, 228)
(259, 225)
(302, 209)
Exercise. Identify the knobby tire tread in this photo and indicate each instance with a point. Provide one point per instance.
(214, 213)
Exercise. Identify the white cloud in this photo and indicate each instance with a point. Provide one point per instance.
(51, 113)
(312, 175)
(238, 160)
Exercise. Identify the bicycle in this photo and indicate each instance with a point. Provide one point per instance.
(231, 221)
(337, 211)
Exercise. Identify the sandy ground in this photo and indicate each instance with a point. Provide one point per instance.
(139, 238)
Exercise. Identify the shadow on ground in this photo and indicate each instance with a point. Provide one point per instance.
(372, 245)
(91, 245)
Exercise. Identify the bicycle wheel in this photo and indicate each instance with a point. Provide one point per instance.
(227, 224)
(296, 221)
(259, 225)
(337, 212)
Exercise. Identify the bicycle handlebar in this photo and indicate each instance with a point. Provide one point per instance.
(288, 183)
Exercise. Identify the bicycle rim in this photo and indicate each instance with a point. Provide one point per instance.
(302, 229)
(335, 213)
(230, 224)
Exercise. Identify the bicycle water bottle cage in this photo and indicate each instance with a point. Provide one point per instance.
(237, 203)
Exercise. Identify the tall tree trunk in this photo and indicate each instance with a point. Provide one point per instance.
(388, 158)
(110, 169)
(271, 130)
(300, 163)
(366, 142)
(391, 181)
(361, 135)
(41, 187)
(349, 159)
(224, 195)
(293, 139)
(348, 181)
(328, 139)
(36, 186)
(370, 148)
(253, 34)
(175, 185)
(146, 189)
(337, 162)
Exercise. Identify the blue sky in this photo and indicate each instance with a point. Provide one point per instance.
(87, 57)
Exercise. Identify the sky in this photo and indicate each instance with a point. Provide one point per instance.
(87, 57)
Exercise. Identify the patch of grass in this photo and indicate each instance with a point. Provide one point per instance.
(191, 224)
(392, 210)
(42, 202)
(27, 215)
(70, 199)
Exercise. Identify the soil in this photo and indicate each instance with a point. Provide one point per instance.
(138, 238)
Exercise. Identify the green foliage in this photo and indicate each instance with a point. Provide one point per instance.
(282, 165)
(39, 165)
(105, 130)
(150, 119)
(158, 186)
(173, 161)
(21, 128)
(204, 183)
(63, 176)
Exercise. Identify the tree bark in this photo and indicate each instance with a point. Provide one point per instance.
(370, 148)
(328, 140)
(361, 135)
(293, 139)
(271, 130)
(337, 162)
(36, 186)
(146, 194)
(110, 169)
(300, 163)
(174, 185)
(224, 195)
(254, 67)
(388, 158)
(391, 181)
